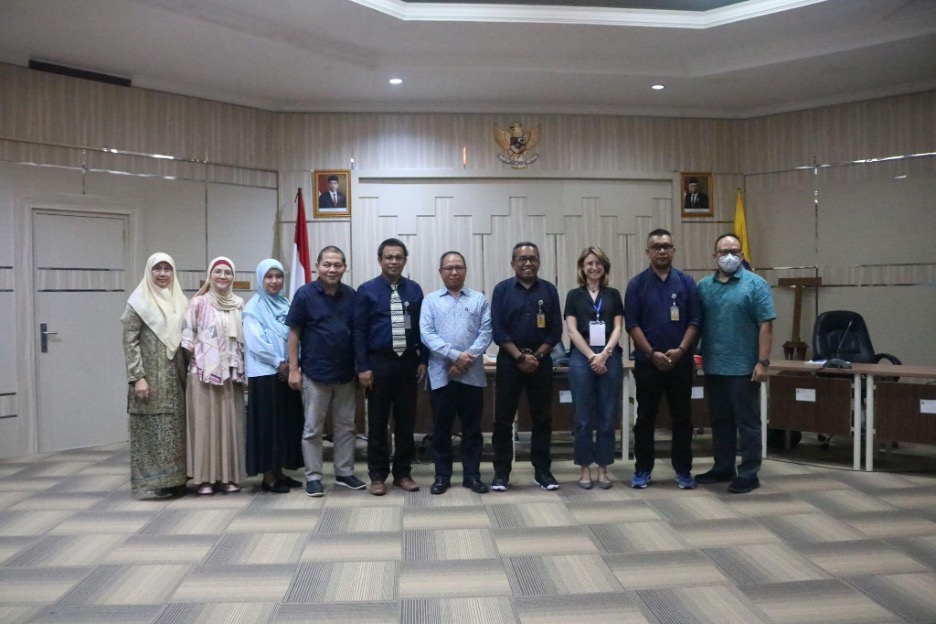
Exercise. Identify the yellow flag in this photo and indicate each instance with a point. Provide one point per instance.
(740, 229)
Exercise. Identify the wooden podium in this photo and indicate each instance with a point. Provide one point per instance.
(795, 349)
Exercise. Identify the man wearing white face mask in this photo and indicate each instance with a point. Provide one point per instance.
(738, 312)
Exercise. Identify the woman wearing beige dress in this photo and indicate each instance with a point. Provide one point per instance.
(213, 333)
(152, 331)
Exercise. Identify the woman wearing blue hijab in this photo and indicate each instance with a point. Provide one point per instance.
(274, 411)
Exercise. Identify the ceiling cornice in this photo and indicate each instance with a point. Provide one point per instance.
(596, 16)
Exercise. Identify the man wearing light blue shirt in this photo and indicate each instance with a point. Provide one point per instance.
(455, 324)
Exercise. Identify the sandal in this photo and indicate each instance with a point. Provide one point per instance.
(205, 489)
(586, 485)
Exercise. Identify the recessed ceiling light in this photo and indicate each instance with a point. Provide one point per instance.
(657, 87)
(395, 81)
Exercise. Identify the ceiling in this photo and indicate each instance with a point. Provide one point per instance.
(723, 59)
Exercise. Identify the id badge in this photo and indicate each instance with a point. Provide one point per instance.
(407, 322)
(674, 312)
(541, 321)
(596, 334)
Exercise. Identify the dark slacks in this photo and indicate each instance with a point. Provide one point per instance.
(510, 384)
(451, 401)
(734, 408)
(393, 393)
(652, 385)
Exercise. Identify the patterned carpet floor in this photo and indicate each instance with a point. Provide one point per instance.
(814, 544)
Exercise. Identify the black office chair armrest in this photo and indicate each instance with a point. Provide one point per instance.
(893, 360)
(887, 356)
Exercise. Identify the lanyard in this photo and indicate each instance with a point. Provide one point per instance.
(598, 309)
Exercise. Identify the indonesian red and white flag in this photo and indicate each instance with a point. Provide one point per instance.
(301, 264)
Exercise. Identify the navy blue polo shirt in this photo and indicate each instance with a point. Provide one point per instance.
(325, 321)
(647, 304)
(372, 327)
(514, 309)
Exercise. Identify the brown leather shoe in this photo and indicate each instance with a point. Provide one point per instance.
(377, 488)
(406, 483)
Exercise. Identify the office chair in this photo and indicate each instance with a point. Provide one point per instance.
(842, 335)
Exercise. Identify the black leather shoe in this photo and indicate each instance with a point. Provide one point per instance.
(439, 486)
(711, 476)
(476, 485)
(290, 482)
(278, 487)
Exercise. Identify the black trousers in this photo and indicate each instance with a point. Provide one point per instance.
(734, 407)
(393, 393)
(510, 385)
(451, 401)
(652, 384)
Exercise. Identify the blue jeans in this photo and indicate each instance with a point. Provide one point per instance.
(597, 400)
(734, 407)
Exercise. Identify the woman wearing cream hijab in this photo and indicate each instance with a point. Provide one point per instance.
(152, 332)
(213, 332)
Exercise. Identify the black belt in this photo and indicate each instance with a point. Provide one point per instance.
(390, 353)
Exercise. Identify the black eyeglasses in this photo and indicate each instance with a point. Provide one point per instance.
(453, 268)
(663, 248)
(525, 259)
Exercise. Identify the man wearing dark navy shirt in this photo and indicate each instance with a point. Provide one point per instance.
(320, 328)
(390, 362)
(526, 318)
(663, 314)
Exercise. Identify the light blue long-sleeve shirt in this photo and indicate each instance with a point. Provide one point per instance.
(263, 350)
(451, 325)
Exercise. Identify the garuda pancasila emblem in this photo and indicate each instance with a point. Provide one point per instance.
(517, 146)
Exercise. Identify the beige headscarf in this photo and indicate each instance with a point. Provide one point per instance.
(225, 300)
(162, 309)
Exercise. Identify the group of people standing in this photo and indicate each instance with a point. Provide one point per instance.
(188, 363)
(303, 360)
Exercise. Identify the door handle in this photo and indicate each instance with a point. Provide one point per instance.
(44, 334)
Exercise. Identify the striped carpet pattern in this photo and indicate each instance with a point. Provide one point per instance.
(813, 545)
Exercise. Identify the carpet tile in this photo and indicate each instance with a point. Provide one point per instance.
(814, 545)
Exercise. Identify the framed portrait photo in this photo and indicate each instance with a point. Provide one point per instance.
(332, 196)
(697, 191)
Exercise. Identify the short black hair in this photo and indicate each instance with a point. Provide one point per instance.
(513, 254)
(330, 249)
(726, 235)
(659, 232)
(449, 253)
(392, 242)
(332, 178)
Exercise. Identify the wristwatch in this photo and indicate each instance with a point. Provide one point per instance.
(765, 362)
(520, 357)
(539, 356)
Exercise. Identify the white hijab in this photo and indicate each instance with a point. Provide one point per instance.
(162, 309)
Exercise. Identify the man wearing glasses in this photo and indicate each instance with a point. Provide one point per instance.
(527, 323)
(738, 309)
(390, 362)
(662, 314)
(456, 328)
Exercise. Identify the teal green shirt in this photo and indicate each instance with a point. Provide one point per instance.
(731, 316)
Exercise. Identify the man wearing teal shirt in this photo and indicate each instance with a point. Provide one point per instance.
(737, 331)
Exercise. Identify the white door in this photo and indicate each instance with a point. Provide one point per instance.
(79, 263)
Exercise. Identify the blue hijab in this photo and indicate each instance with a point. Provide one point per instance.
(269, 310)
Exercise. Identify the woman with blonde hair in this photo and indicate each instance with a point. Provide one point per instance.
(594, 314)
(213, 332)
(152, 332)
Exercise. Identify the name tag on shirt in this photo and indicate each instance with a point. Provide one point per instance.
(674, 312)
(596, 334)
(407, 321)
(541, 320)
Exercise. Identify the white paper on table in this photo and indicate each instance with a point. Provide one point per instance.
(807, 395)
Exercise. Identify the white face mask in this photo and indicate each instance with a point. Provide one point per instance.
(729, 264)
